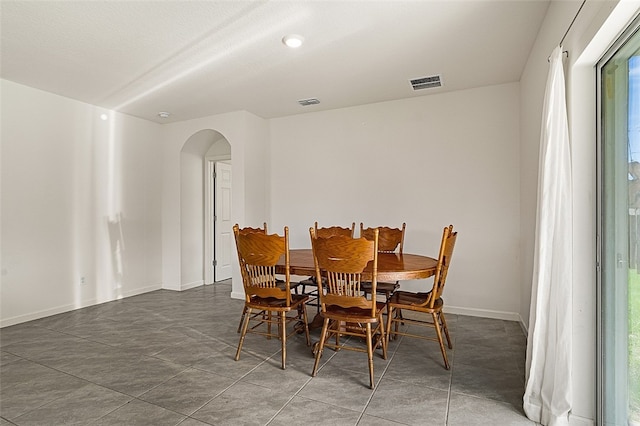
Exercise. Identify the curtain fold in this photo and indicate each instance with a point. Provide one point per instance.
(547, 398)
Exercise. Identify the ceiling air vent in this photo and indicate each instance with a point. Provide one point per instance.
(307, 102)
(426, 82)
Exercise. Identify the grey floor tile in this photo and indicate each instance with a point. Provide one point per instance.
(48, 341)
(302, 411)
(488, 383)
(477, 326)
(467, 411)
(192, 422)
(96, 329)
(26, 332)
(514, 328)
(343, 388)
(188, 391)
(221, 361)
(27, 386)
(61, 322)
(289, 381)
(22, 371)
(78, 407)
(408, 404)
(134, 377)
(502, 359)
(355, 360)
(423, 367)
(243, 404)
(140, 413)
(7, 358)
(61, 353)
(188, 352)
(367, 420)
(167, 358)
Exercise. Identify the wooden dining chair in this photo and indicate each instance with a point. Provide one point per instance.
(340, 260)
(429, 303)
(325, 232)
(258, 254)
(390, 240)
(244, 231)
(330, 231)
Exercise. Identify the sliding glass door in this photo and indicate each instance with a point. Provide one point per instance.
(619, 230)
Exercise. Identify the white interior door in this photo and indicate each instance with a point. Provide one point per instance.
(222, 222)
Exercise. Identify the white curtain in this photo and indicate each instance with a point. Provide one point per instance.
(547, 398)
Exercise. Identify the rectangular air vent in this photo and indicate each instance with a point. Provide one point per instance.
(310, 101)
(426, 82)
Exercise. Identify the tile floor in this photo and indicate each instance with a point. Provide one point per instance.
(166, 358)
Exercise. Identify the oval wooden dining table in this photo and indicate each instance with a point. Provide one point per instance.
(391, 266)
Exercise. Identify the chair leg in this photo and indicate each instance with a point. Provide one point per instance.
(383, 337)
(389, 321)
(245, 325)
(446, 330)
(305, 320)
(387, 296)
(323, 335)
(396, 320)
(370, 354)
(436, 323)
(283, 337)
(244, 312)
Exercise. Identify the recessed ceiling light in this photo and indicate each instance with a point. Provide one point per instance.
(164, 114)
(293, 40)
(104, 117)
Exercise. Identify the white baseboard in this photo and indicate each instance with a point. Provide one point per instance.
(39, 314)
(6, 322)
(138, 291)
(484, 313)
(191, 285)
(525, 329)
(580, 421)
(237, 295)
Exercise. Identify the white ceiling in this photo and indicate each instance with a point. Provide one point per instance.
(199, 58)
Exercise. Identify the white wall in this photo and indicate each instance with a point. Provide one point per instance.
(192, 207)
(80, 198)
(428, 161)
(192, 219)
(596, 27)
(248, 136)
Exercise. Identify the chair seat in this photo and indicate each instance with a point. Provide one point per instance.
(381, 287)
(274, 303)
(408, 300)
(282, 285)
(352, 314)
(429, 302)
(311, 281)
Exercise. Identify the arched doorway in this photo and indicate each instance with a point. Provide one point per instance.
(197, 206)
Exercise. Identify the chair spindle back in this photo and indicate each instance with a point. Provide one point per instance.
(390, 240)
(331, 231)
(258, 254)
(444, 260)
(341, 260)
